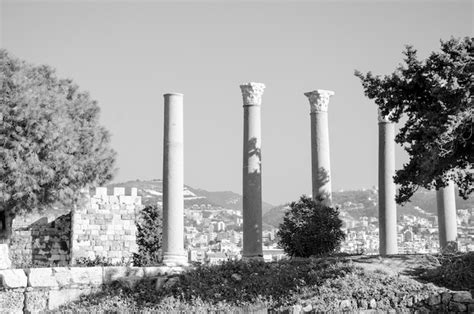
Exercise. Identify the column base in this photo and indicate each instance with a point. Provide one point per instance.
(175, 259)
(252, 258)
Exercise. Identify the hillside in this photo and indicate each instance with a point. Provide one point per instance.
(151, 193)
(359, 203)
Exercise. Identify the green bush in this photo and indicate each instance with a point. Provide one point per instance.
(149, 237)
(99, 261)
(310, 228)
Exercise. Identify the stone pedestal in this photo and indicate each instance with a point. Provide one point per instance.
(447, 218)
(320, 157)
(252, 172)
(387, 204)
(173, 202)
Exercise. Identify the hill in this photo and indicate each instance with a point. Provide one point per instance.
(151, 192)
(359, 203)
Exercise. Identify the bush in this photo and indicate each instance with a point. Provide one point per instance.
(310, 228)
(149, 237)
(99, 261)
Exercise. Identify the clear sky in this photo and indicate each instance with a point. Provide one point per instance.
(129, 53)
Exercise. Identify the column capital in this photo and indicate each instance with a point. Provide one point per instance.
(319, 100)
(252, 93)
(383, 118)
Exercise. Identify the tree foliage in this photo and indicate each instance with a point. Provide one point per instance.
(310, 228)
(435, 96)
(51, 142)
(149, 237)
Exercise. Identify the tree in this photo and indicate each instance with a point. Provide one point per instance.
(310, 228)
(149, 237)
(51, 142)
(435, 96)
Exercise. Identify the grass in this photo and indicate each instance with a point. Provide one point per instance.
(325, 284)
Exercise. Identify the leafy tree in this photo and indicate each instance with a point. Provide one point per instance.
(310, 228)
(435, 96)
(51, 142)
(149, 237)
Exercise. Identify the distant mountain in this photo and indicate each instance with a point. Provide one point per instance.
(359, 203)
(151, 192)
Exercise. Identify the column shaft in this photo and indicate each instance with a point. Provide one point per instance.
(447, 218)
(320, 157)
(387, 205)
(252, 172)
(173, 218)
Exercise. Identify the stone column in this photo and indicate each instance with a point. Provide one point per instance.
(252, 171)
(387, 205)
(447, 217)
(173, 203)
(320, 161)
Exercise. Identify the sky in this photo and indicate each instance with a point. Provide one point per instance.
(127, 54)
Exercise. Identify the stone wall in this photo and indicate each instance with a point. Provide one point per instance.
(105, 225)
(102, 226)
(40, 289)
(41, 240)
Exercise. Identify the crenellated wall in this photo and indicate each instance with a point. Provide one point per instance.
(105, 225)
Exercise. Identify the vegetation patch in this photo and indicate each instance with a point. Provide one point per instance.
(328, 284)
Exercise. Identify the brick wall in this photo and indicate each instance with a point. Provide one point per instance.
(105, 225)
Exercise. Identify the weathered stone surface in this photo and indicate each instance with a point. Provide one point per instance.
(160, 282)
(36, 301)
(457, 307)
(372, 304)
(345, 304)
(307, 308)
(462, 296)
(156, 271)
(63, 296)
(434, 300)
(446, 297)
(87, 275)
(4, 256)
(115, 273)
(41, 277)
(170, 282)
(236, 277)
(11, 301)
(296, 309)
(13, 278)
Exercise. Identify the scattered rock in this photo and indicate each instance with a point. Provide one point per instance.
(236, 277)
(296, 309)
(170, 282)
(462, 296)
(445, 297)
(372, 304)
(345, 305)
(308, 308)
(434, 299)
(160, 282)
(457, 307)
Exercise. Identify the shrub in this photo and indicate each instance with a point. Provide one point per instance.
(99, 261)
(149, 237)
(310, 228)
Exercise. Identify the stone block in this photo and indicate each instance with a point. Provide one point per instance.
(13, 278)
(434, 299)
(462, 296)
(63, 296)
(5, 261)
(41, 277)
(86, 275)
(457, 307)
(100, 191)
(11, 301)
(446, 297)
(36, 301)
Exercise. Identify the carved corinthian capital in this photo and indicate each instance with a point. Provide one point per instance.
(252, 93)
(382, 118)
(319, 100)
